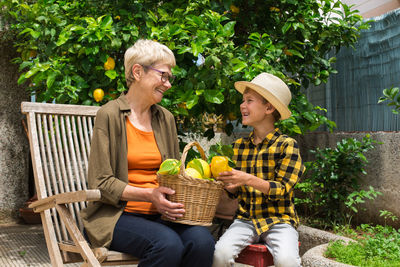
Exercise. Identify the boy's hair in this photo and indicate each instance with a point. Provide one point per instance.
(275, 114)
(146, 53)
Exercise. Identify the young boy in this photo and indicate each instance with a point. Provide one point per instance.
(268, 165)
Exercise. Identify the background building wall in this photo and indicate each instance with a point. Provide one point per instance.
(351, 96)
(373, 8)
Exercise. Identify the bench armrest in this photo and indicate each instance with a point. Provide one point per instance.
(65, 198)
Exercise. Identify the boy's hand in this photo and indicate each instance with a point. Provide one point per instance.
(234, 178)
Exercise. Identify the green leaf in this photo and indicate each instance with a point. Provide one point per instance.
(296, 53)
(184, 49)
(175, 30)
(238, 65)
(31, 72)
(214, 96)
(116, 42)
(51, 78)
(35, 34)
(21, 79)
(197, 48)
(286, 27)
(63, 38)
(229, 29)
(106, 22)
(112, 74)
(193, 100)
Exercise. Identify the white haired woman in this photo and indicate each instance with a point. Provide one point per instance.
(131, 137)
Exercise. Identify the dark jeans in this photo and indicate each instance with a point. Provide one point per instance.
(160, 243)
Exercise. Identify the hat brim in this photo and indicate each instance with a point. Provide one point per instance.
(281, 107)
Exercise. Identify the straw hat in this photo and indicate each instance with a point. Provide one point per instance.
(273, 89)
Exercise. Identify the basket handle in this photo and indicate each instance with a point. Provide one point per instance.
(185, 151)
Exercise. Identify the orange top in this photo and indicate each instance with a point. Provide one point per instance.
(144, 159)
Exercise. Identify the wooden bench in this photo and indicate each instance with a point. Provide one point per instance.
(59, 137)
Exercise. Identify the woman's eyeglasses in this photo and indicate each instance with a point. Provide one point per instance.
(165, 76)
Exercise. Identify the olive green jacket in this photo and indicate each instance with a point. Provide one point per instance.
(108, 164)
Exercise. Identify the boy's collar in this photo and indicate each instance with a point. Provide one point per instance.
(269, 138)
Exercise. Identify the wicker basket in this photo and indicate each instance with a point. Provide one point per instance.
(200, 197)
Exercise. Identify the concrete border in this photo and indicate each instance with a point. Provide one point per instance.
(313, 246)
(315, 258)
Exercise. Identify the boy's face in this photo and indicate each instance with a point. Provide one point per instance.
(254, 108)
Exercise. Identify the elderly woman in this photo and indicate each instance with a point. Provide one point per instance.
(131, 137)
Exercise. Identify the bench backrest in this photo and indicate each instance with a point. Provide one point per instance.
(59, 138)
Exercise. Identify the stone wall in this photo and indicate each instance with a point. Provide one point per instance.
(14, 148)
(382, 170)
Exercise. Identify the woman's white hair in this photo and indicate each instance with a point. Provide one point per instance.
(146, 53)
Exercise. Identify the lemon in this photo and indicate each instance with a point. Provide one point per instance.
(234, 9)
(32, 53)
(110, 64)
(201, 166)
(169, 166)
(98, 94)
(193, 173)
(219, 164)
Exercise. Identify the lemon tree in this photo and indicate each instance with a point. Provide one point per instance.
(70, 48)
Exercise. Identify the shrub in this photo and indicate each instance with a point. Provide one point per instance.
(331, 189)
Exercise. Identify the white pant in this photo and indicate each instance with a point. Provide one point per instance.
(282, 240)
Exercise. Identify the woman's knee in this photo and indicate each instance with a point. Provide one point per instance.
(198, 244)
(170, 245)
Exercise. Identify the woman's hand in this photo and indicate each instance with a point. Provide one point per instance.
(169, 209)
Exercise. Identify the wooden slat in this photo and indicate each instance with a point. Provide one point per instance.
(51, 181)
(61, 109)
(82, 128)
(68, 181)
(77, 236)
(48, 229)
(48, 174)
(113, 257)
(65, 198)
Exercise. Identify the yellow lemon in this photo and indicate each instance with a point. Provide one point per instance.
(232, 116)
(219, 164)
(110, 64)
(201, 166)
(32, 53)
(193, 173)
(234, 9)
(98, 94)
(169, 166)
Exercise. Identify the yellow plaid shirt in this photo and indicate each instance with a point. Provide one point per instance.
(277, 160)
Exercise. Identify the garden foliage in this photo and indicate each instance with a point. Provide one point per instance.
(376, 246)
(63, 46)
(330, 189)
(391, 95)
